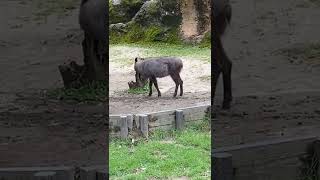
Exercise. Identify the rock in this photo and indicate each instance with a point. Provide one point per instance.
(122, 11)
(119, 28)
(149, 14)
(158, 13)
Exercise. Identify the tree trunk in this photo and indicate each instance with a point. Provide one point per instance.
(196, 19)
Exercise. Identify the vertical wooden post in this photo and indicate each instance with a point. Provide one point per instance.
(45, 175)
(144, 122)
(208, 112)
(136, 121)
(179, 120)
(316, 146)
(222, 166)
(130, 121)
(123, 127)
(102, 174)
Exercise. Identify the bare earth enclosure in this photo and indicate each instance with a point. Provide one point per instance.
(195, 74)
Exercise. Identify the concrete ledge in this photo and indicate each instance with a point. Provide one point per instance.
(34, 173)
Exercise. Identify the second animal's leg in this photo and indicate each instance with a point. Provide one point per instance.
(102, 51)
(150, 86)
(176, 81)
(216, 74)
(181, 84)
(226, 72)
(156, 85)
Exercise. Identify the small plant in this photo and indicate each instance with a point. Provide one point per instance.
(139, 90)
(96, 91)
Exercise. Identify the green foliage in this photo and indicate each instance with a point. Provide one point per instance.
(153, 34)
(96, 91)
(135, 34)
(138, 34)
(139, 90)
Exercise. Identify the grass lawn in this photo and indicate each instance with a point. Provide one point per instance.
(165, 155)
(124, 54)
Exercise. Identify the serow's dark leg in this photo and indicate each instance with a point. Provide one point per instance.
(181, 85)
(227, 86)
(150, 86)
(156, 85)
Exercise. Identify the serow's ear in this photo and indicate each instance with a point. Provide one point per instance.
(136, 59)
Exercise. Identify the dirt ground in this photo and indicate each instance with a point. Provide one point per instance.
(197, 86)
(274, 94)
(35, 131)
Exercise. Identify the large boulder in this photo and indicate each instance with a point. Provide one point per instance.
(158, 13)
(122, 11)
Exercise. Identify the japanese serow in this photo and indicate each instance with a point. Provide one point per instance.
(221, 16)
(153, 68)
(93, 19)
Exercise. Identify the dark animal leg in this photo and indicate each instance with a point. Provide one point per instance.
(102, 51)
(216, 74)
(154, 79)
(98, 50)
(226, 72)
(181, 84)
(150, 86)
(176, 81)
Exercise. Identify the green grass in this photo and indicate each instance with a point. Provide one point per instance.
(93, 92)
(166, 154)
(124, 54)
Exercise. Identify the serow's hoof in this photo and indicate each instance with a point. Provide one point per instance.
(226, 105)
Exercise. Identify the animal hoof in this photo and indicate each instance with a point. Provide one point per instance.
(226, 105)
